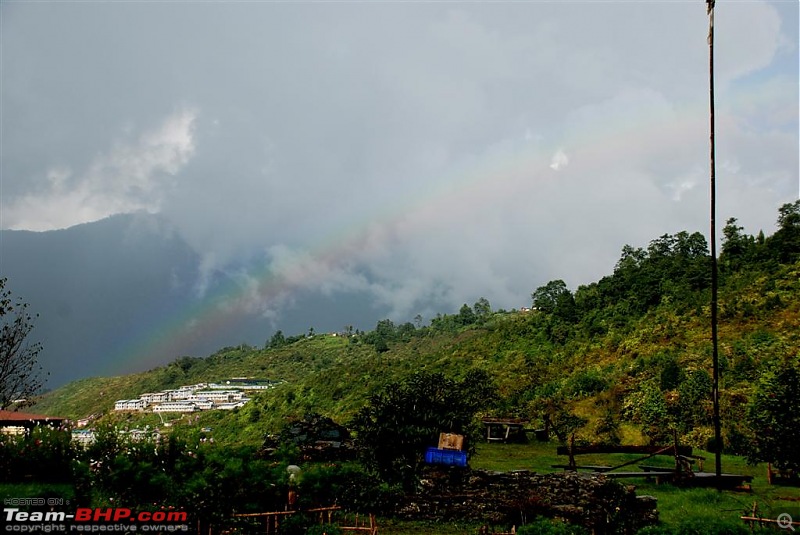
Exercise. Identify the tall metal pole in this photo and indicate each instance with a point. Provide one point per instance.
(714, 281)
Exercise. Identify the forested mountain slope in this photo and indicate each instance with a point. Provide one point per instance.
(627, 358)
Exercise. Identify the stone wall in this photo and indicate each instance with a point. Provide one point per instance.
(598, 503)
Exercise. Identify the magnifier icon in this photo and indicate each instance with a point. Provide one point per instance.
(785, 521)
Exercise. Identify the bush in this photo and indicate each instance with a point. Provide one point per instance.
(773, 416)
(402, 419)
(349, 485)
(545, 526)
(297, 524)
(660, 529)
(324, 529)
(43, 455)
(705, 526)
(586, 382)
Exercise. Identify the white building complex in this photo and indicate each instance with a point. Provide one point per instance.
(199, 397)
(176, 406)
(130, 405)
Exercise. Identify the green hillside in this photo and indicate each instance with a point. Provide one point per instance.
(629, 354)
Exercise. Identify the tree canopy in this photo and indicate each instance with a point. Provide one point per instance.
(403, 419)
(20, 372)
(774, 416)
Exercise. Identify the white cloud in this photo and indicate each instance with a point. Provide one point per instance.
(403, 149)
(681, 187)
(559, 161)
(129, 177)
(734, 57)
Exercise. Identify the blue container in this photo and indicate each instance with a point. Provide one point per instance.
(446, 457)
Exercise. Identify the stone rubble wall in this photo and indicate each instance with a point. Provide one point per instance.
(596, 502)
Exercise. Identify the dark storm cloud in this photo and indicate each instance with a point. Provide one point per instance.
(411, 151)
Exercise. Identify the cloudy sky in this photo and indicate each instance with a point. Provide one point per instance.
(418, 152)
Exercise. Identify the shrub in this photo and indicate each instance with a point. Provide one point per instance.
(402, 419)
(349, 485)
(324, 529)
(660, 529)
(586, 382)
(704, 526)
(773, 416)
(545, 526)
(44, 455)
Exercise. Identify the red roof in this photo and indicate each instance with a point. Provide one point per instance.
(11, 416)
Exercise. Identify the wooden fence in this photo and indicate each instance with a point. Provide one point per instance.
(355, 523)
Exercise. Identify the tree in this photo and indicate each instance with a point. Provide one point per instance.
(465, 315)
(547, 297)
(402, 419)
(557, 417)
(482, 308)
(773, 414)
(385, 329)
(384, 333)
(406, 331)
(556, 299)
(694, 400)
(277, 340)
(20, 372)
(785, 243)
(736, 246)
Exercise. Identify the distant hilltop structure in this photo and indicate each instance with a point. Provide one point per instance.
(228, 395)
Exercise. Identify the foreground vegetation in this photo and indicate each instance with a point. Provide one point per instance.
(211, 482)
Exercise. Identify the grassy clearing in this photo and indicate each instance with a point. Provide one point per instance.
(674, 504)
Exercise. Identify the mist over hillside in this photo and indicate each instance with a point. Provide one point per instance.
(111, 295)
(627, 359)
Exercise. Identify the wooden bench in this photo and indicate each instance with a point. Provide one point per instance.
(640, 450)
(503, 429)
(660, 477)
(593, 468)
(651, 468)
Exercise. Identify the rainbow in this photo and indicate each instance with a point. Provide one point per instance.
(505, 171)
(215, 312)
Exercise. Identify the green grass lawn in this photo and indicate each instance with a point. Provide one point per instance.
(675, 504)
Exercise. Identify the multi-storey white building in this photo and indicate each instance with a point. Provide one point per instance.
(130, 405)
(230, 406)
(202, 396)
(176, 406)
(155, 397)
(202, 403)
(222, 396)
(182, 393)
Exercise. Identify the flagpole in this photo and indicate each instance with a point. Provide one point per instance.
(714, 267)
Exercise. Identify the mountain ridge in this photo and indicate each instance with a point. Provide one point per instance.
(623, 355)
(104, 291)
(336, 375)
